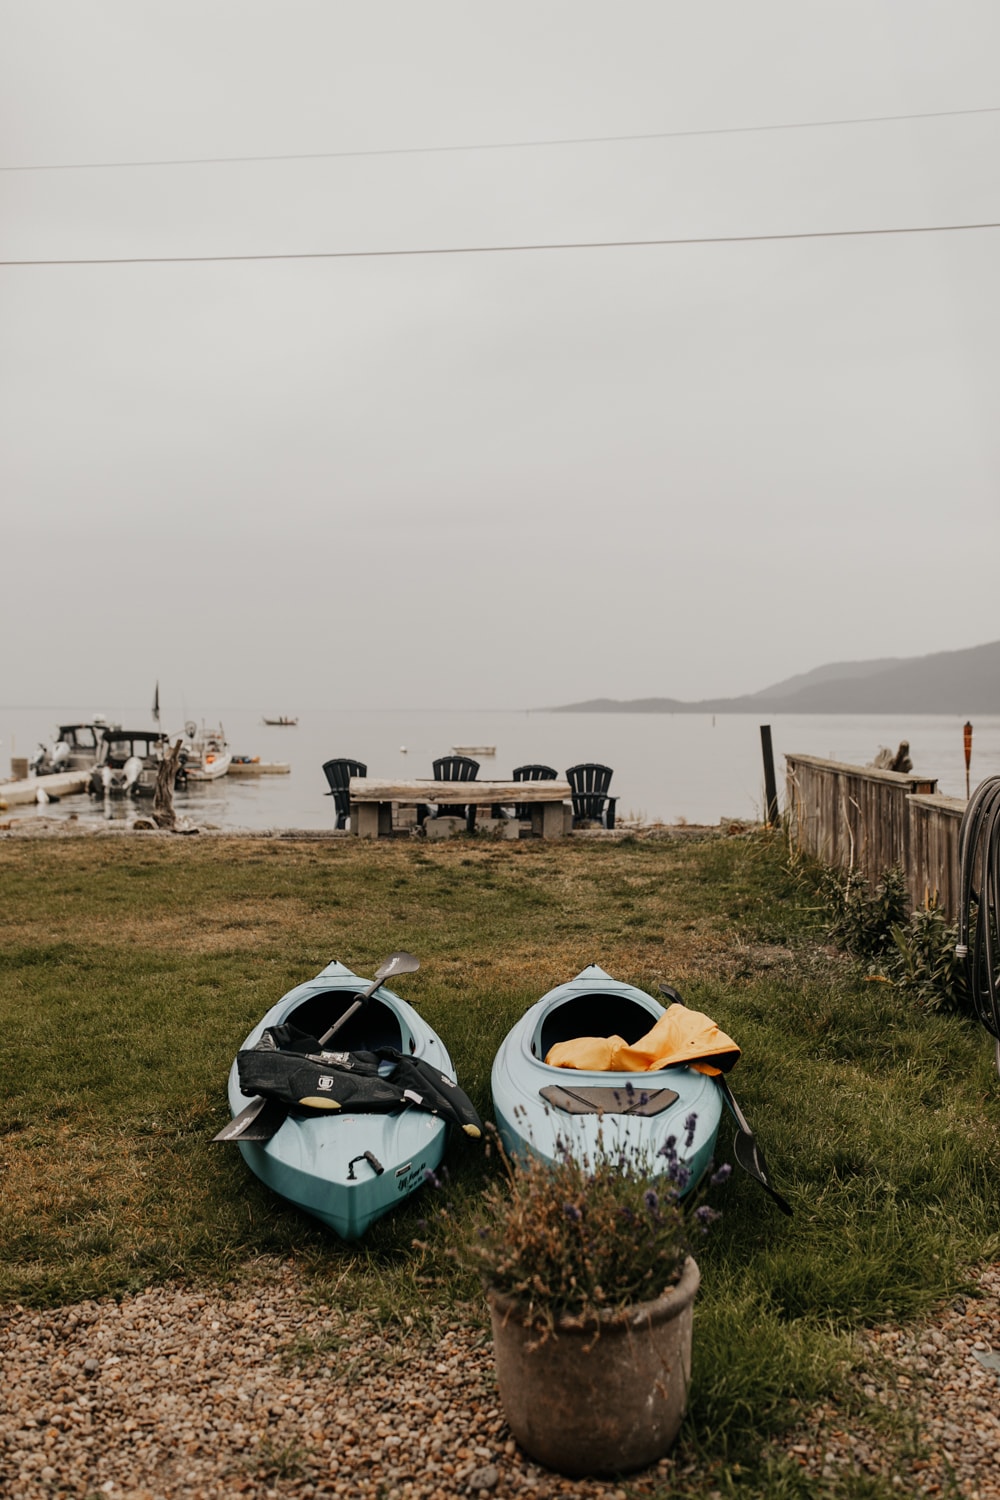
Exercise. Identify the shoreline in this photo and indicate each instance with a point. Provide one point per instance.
(73, 828)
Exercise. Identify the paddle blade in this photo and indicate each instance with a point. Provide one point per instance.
(397, 963)
(751, 1159)
(259, 1121)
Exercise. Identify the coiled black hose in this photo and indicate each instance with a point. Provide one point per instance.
(979, 903)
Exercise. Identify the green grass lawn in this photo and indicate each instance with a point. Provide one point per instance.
(130, 972)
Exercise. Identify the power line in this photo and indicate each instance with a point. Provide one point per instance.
(580, 140)
(714, 239)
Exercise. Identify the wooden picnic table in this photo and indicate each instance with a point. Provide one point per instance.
(372, 800)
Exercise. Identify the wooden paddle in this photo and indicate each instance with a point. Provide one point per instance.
(262, 1118)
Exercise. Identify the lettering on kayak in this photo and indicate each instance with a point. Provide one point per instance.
(414, 1175)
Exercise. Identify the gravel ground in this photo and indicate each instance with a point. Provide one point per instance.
(934, 1381)
(259, 1393)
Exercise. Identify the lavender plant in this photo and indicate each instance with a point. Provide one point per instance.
(587, 1235)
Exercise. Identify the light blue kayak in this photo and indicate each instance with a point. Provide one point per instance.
(348, 1168)
(541, 1109)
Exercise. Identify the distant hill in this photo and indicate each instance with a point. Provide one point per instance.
(948, 682)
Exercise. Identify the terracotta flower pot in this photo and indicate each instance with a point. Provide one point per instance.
(602, 1405)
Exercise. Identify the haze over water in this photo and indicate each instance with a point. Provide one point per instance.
(668, 768)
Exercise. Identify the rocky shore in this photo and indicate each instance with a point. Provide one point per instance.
(260, 1392)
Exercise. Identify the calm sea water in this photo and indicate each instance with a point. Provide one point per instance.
(667, 767)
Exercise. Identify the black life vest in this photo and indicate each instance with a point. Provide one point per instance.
(292, 1067)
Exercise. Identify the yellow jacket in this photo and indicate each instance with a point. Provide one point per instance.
(679, 1036)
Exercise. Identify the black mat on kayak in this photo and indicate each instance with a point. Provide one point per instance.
(605, 1101)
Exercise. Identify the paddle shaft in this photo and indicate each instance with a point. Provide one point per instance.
(401, 963)
(348, 1013)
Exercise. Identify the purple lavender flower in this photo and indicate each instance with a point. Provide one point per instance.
(572, 1212)
(706, 1216)
(669, 1148)
(431, 1178)
(679, 1174)
(721, 1175)
(651, 1200)
(689, 1125)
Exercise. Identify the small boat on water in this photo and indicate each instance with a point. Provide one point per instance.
(474, 749)
(74, 748)
(286, 722)
(128, 761)
(544, 1108)
(205, 753)
(351, 1096)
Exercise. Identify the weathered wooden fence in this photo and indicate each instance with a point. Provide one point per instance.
(867, 819)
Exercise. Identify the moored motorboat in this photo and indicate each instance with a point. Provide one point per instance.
(74, 748)
(657, 1116)
(283, 720)
(127, 764)
(205, 753)
(347, 1134)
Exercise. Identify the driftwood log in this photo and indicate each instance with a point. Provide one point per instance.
(885, 760)
(163, 797)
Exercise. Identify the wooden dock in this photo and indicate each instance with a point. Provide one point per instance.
(62, 784)
(258, 768)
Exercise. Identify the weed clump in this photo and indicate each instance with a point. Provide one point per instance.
(915, 949)
(926, 965)
(862, 913)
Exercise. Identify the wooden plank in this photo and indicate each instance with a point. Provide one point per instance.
(935, 823)
(924, 785)
(461, 793)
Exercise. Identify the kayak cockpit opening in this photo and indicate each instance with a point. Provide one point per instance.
(593, 1015)
(374, 1024)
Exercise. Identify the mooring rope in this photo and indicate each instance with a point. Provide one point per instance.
(979, 903)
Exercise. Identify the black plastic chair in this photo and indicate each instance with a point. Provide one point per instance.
(588, 784)
(338, 773)
(522, 811)
(455, 768)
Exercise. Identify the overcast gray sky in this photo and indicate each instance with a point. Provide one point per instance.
(493, 480)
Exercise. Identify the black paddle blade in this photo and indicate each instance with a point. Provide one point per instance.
(261, 1120)
(397, 963)
(751, 1159)
(748, 1154)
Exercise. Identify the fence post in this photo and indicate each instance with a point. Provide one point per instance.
(770, 787)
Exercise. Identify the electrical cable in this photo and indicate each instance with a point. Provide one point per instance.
(979, 903)
(713, 239)
(578, 140)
